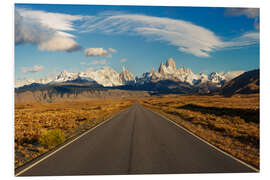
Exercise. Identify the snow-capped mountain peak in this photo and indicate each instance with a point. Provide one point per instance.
(170, 65)
(65, 76)
(107, 76)
(126, 76)
(162, 69)
(183, 74)
(233, 74)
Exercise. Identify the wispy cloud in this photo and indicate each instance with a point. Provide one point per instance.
(53, 31)
(253, 13)
(244, 40)
(33, 69)
(249, 12)
(47, 30)
(96, 52)
(188, 37)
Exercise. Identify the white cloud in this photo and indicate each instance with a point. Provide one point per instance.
(33, 69)
(96, 52)
(59, 43)
(112, 50)
(249, 12)
(52, 31)
(99, 62)
(246, 39)
(188, 37)
(45, 30)
(123, 60)
(253, 13)
(29, 32)
(56, 21)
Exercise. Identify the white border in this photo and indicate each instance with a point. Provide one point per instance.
(7, 79)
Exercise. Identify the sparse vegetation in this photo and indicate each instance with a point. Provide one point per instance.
(231, 124)
(52, 138)
(39, 127)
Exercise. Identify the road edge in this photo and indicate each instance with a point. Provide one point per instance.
(198, 137)
(67, 143)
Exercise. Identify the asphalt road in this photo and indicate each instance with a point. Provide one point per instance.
(136, 141)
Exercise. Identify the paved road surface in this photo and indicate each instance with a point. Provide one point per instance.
(136, 141)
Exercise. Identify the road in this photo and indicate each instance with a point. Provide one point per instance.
(136, 141)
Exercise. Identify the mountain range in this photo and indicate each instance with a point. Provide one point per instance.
(108, 77)
(168, 79)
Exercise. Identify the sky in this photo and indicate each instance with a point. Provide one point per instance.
(53, 38)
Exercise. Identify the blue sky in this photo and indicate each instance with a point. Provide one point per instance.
(53, 38)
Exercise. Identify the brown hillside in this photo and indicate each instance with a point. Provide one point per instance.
(247, 83)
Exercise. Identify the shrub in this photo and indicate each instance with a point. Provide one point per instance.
(52, 138)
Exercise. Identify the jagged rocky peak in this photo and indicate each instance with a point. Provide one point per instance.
(171, 64)
(62, 74)
(169, 68)
(126, 76)
(107, 76)
(185, 70)
(124, 69)
(65, 76)
(162, 68)
(152, 70)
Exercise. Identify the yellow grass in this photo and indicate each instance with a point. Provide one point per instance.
(36, 123)
(231, 124)
(222, 121)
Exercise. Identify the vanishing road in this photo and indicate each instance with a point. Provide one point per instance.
(136, 141)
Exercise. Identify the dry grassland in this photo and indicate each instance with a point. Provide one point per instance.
(232, 124)
(40, 127)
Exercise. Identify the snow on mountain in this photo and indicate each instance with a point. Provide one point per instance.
(86, 76)
(20, 83)
(232, 74)
(201, 78)
(65, 76)
(126, 77)
(31, 81)
(109, 77)
(221, 78)
(106, 77)
(169, 71)
(217, 78)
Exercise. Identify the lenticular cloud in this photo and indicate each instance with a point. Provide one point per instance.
(52, 32)
(188, 37)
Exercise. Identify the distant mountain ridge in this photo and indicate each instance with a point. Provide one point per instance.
(169, 71)
(108, 77)
(168, 79)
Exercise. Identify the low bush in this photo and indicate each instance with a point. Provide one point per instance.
(52, 138)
